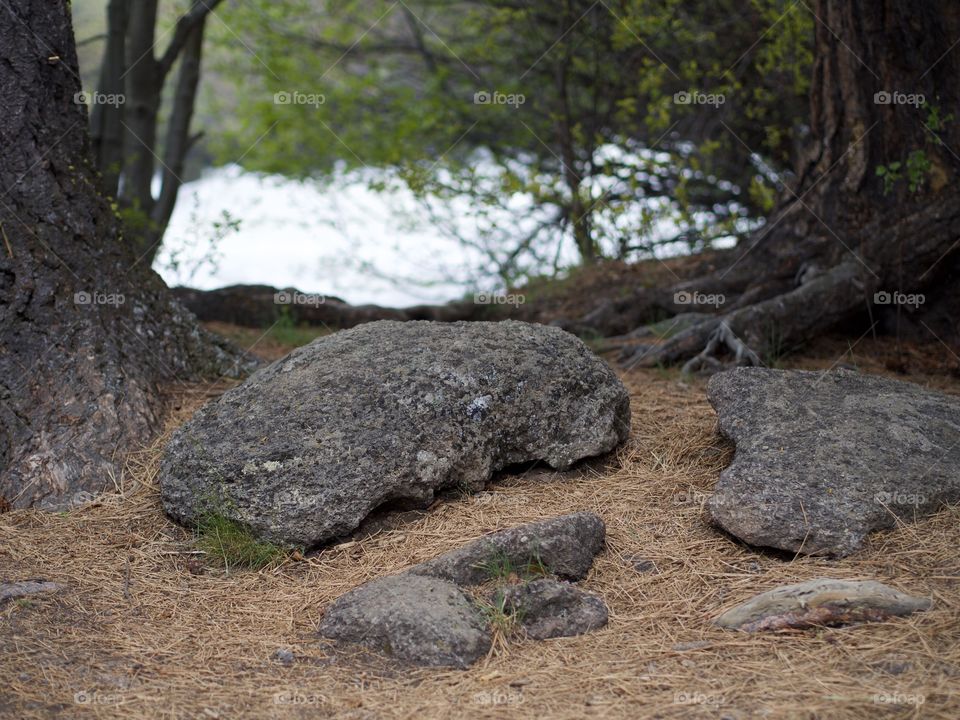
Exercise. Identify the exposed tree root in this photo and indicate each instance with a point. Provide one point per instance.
(708, 360)
(760, 330)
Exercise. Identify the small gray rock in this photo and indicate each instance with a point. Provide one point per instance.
(823, 459)
(549, 608)
(691, 645)
(11, 591)
(421, 620)
(641, 564)
(284, 656)
(564, 546)
(389, 413)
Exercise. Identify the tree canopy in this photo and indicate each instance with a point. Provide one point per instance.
(605, 127)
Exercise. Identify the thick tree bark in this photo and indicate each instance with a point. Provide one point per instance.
(841, 234)
(87, 336)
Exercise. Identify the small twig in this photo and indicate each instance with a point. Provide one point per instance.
(126, 579)
(91, 39)
(6, 240)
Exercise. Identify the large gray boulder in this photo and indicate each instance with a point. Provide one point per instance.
(423, 620)
(823, 459)
(389, 412)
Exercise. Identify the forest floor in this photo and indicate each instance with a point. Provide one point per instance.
(146, 628)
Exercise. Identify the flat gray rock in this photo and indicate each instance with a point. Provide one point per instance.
(26, 588)
(819, 602)
(823, 459)
(416, 619)
(549, 608)
(389, 412)
(563, 546)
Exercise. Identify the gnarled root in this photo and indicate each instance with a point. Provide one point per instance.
(766, 328)
(707, 359)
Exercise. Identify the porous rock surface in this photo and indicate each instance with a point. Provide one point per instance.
(824, 458)
(424, 620)
(564, 546)
(548, 608)
(389, 412)
(424, 615)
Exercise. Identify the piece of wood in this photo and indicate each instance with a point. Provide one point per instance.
(819, 602)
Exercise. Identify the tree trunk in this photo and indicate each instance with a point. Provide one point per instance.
(875, 210)
(87, 336)
(144, 85)
(124, 134)
(106, 120)
(179, 140)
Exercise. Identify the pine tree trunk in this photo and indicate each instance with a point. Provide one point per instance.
(844, 238)
(87, 335)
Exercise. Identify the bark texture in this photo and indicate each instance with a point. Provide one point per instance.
(841, 233)
(87, 335)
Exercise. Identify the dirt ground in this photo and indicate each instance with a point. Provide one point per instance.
(145, 629)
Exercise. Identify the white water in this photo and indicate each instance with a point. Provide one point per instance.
(313, 238)
(341, 239)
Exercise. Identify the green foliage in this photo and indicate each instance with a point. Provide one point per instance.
(502, 620)
(500, 567)
(762, 194)
(936, 121)
(287, 332)
(201, 237)
(890, 174)
(233, 545)
(917, 168)
(135, 222)
(555, 121)
(918, 165)
(774, 346)
(593, 340)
